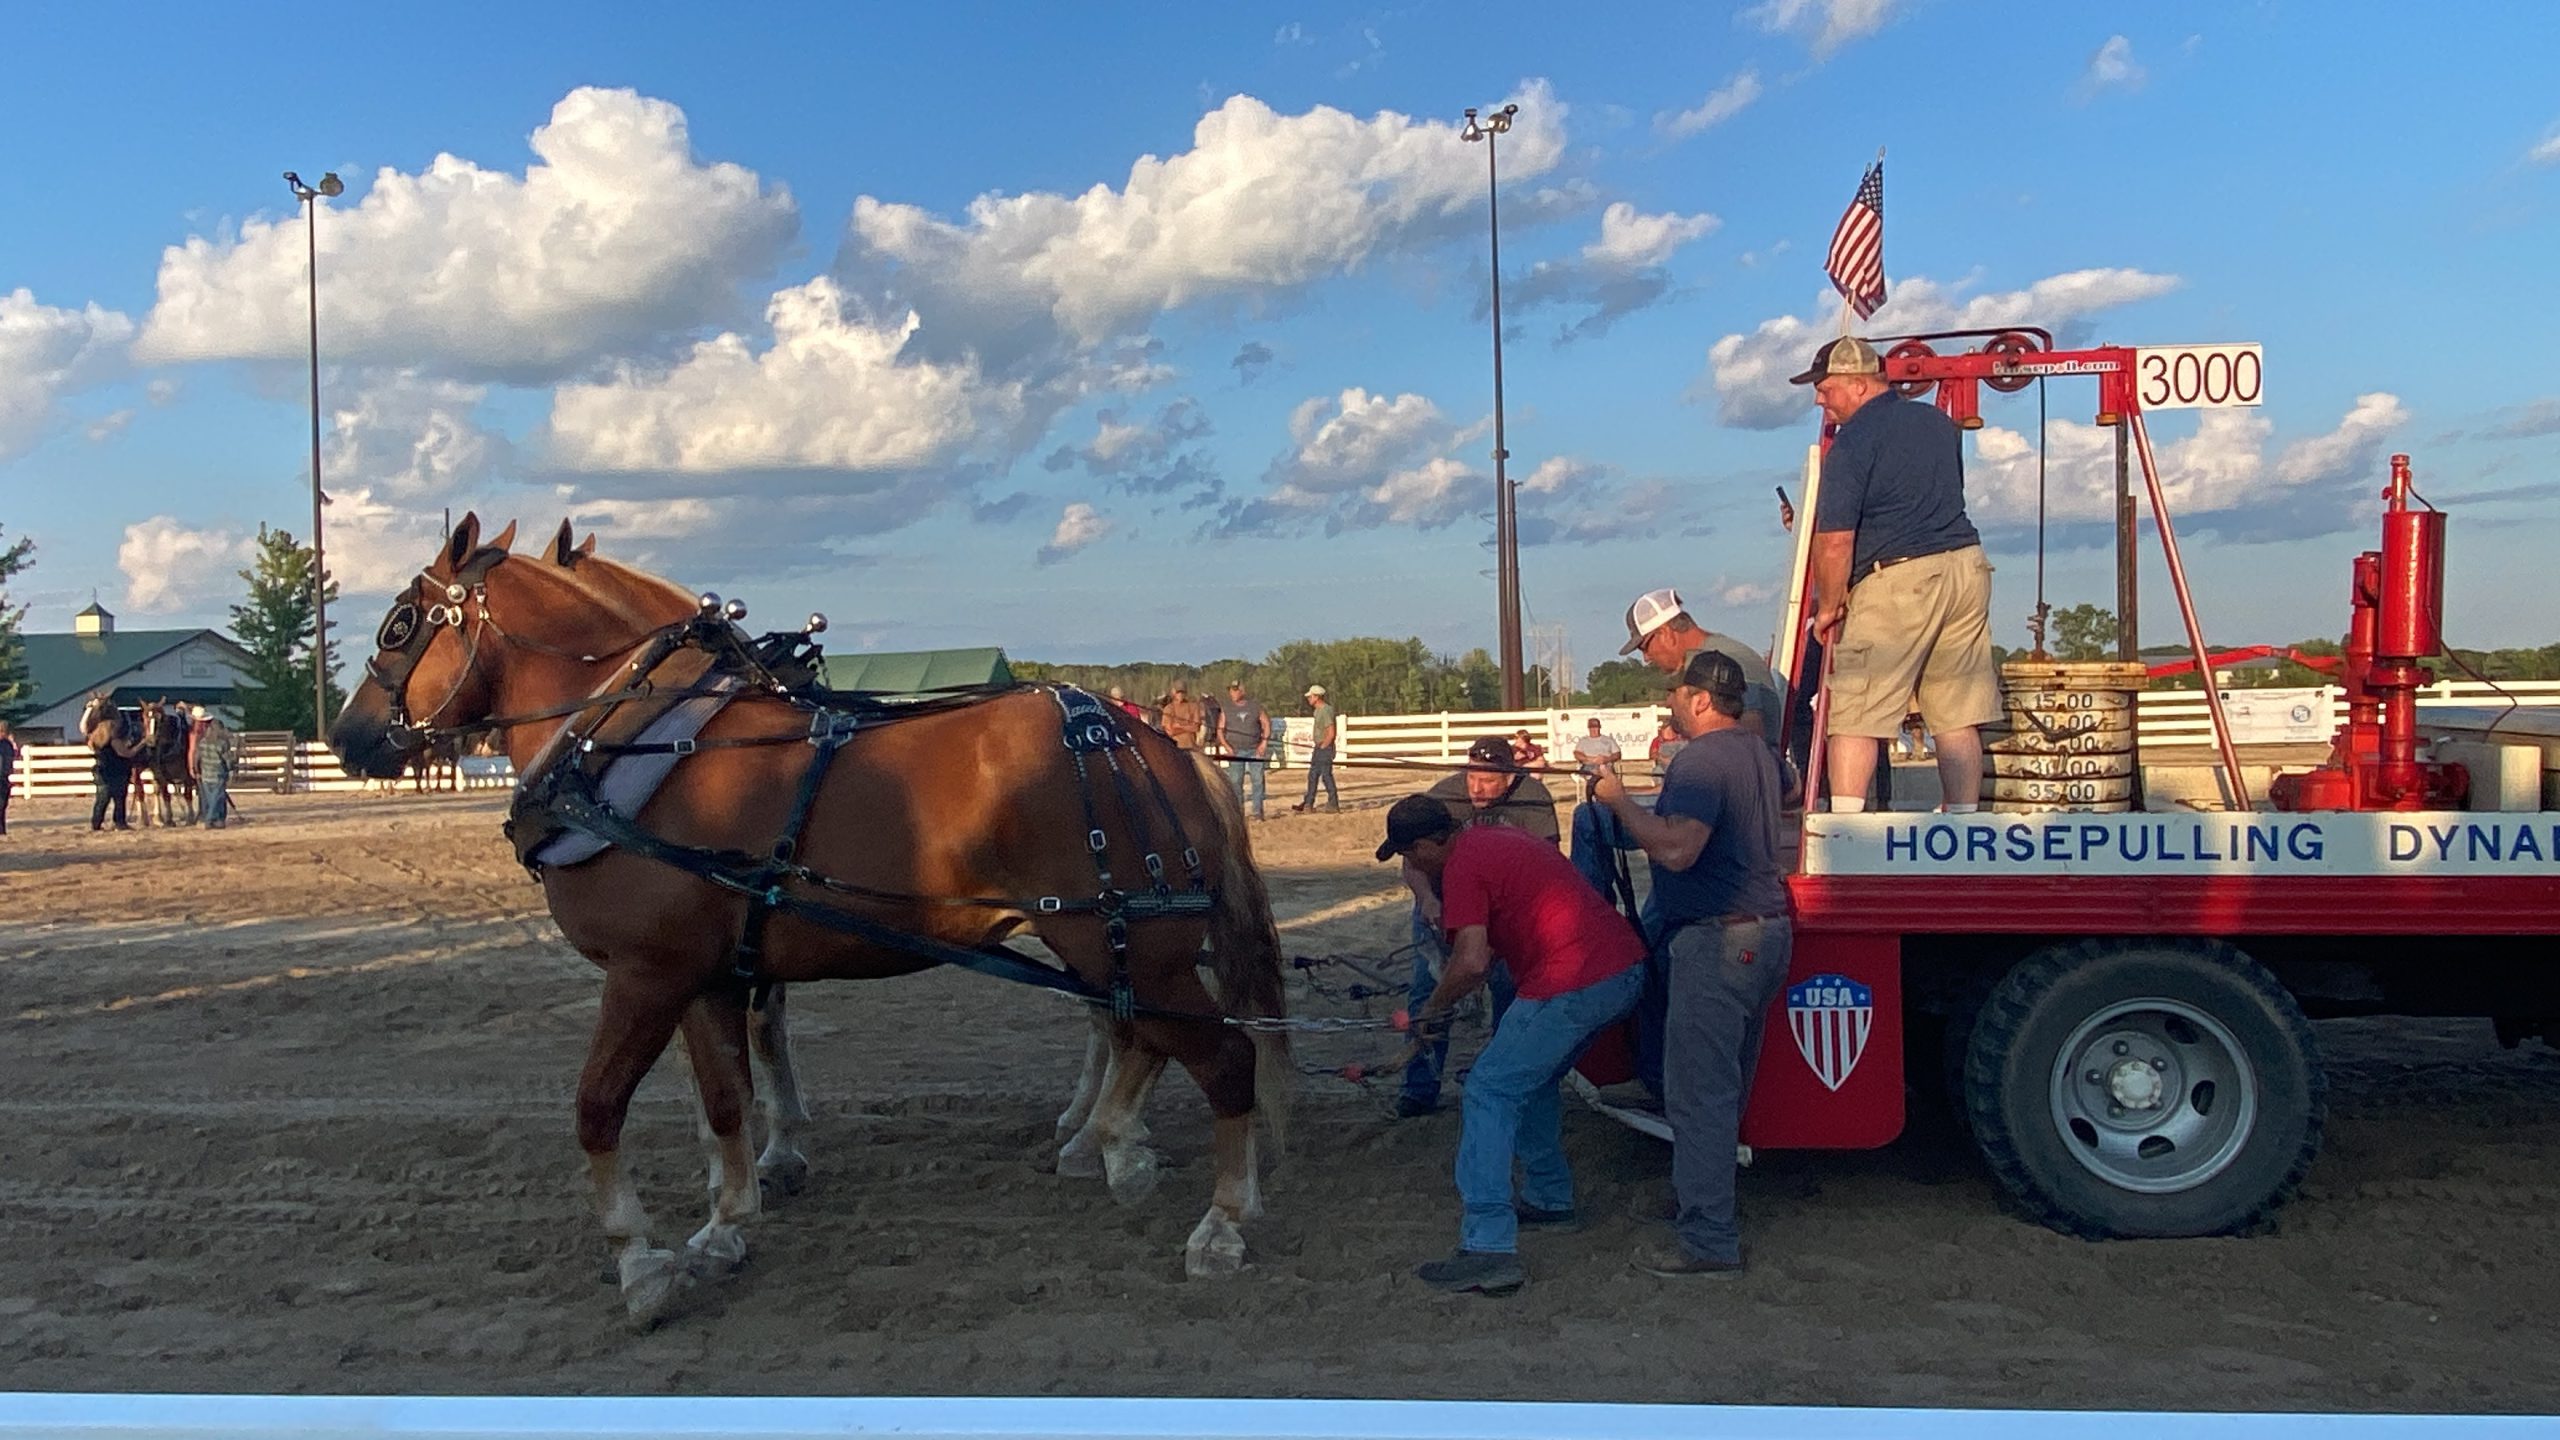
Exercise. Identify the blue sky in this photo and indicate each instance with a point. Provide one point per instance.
(1132, 332)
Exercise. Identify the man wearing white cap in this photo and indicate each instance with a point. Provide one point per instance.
(1662, 634)
(1901, 589)
(1320, 759)
(210, 748)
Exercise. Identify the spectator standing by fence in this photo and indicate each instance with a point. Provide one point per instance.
(1178, 715)
(9, 771)
(1320, 755)
(1245, 730)
(212, 752)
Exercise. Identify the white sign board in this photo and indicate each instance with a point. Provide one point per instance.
(2199, 377)
(2258, 844)
(2279, 716)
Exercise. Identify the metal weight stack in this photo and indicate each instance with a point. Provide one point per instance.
(2070, 741)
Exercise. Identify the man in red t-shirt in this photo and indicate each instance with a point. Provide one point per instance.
(1575, 962)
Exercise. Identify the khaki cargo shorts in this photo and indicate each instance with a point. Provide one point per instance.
(1918, 637)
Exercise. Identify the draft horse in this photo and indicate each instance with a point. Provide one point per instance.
(162, 762)
(802, 837)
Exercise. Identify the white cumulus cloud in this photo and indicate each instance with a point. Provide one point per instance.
(614, 238)
(2546, 153)
(46, 354)
(1632, 239)
(1824, 24)
(1079, 525)
(411, 437)
(1612, 277)
(170, 567)
(1259, 203)
(831, 392)
(1747, 374)
(1722, 104)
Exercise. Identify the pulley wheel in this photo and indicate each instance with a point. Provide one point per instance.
(1911, 349)
(2012, 344)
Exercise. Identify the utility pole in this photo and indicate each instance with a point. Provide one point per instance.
(1506, 519)
(310, 195)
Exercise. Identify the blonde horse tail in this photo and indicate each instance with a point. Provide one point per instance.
(1244, 950)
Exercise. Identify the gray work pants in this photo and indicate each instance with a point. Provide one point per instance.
(1723, 979)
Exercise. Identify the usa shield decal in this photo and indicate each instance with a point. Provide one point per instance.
(1831, 1016)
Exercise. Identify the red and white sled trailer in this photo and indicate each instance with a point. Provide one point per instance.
(2120, 1002)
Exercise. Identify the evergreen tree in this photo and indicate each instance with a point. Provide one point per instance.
(15, 683)
(274, 626)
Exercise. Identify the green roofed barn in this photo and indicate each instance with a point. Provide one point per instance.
(912, 672)
(194, 667)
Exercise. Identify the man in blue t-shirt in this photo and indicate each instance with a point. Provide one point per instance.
(1902, 593)
(1727, 936)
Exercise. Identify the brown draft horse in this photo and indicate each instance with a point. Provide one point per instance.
(162, 761)
(1128, 1165)
(976, 802)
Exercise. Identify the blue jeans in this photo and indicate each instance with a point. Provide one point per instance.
(213, 797)
(1724, 979)
(1422, 1072)
(1514, 1109)
(1320, 772)
(1245, 778)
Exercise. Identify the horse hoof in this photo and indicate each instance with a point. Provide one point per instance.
(1216, 1249)
(784, 1174)
(1135, 1178)
(652, 1282)
(1079, 1162)
(718, 1250)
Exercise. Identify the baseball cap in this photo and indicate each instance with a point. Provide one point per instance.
(1415, 817)
(1316, 690)
(1494, 750)
(1847, 355)
(1653, 610)
(1716, 673)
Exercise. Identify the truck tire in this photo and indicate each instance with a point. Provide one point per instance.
(2145, 1089)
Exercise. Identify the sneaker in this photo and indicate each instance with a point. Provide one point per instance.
(1414, 1107)
(1565, 1221)
(1631, 1095)
(1482, 1272)
(1672, 1261)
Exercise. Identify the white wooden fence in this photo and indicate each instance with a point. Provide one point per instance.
(2168, 717)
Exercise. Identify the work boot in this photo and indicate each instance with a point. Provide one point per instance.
(1483, 1272)
(1671, 1260)
(1565, 1221)
(1414, 1107)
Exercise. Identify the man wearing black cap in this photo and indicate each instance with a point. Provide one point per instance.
(1491, 790)
(1712, 836)
(1574, 961)
(1901, 591)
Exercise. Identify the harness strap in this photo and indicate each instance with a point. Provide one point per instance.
(785, 858)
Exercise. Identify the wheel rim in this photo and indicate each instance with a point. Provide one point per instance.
(2153, 1096)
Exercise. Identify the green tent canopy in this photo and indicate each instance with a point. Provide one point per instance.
(908, 672)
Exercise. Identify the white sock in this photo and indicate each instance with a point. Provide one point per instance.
(1968, 808)
(1840, 805)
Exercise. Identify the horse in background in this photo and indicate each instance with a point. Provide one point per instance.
(436, 766)
(161, 760)
(921, 817)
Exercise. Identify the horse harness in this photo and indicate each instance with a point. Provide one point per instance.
(706, 657)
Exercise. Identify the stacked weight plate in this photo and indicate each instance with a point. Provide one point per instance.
(2070, 744)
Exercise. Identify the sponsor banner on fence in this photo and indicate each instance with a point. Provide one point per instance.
(2338, 843)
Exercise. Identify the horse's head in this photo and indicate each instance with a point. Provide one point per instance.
(101, 724)
(434, 661)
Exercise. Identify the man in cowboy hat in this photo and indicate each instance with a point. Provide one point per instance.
(1178, 715)
(1320, 757)
(210, 750)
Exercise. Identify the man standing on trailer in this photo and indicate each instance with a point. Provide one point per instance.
(1901, 591)
(1727, 934)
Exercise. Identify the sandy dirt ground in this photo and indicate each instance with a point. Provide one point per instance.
(287, 1109)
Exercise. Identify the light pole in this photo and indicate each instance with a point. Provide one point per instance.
(1506, 520)
(310, 197)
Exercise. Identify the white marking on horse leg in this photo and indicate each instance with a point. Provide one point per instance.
(1097, 1060)
(650, 1279)
(783, 1169)
(1080, 1156)
(1216, 1246)
(1131, 1168)
(720, 1245)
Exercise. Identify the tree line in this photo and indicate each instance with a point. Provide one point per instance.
(1364, 675)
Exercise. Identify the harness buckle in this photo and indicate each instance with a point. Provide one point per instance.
(684, 746)
(1096, 841)
(1050, 905)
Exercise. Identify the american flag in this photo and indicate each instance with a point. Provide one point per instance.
(1856, 265)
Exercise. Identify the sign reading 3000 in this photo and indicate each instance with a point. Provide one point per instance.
(2199, 377)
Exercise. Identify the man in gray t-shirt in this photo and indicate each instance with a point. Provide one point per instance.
(1244, 730)
(1662, 634)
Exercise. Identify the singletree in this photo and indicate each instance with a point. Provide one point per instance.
(274, 626)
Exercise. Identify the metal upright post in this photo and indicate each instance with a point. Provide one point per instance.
(1506, 520)
(310, 195)
(2128, 554)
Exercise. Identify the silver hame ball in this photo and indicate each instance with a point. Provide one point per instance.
(735, 610)
(817, 624)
